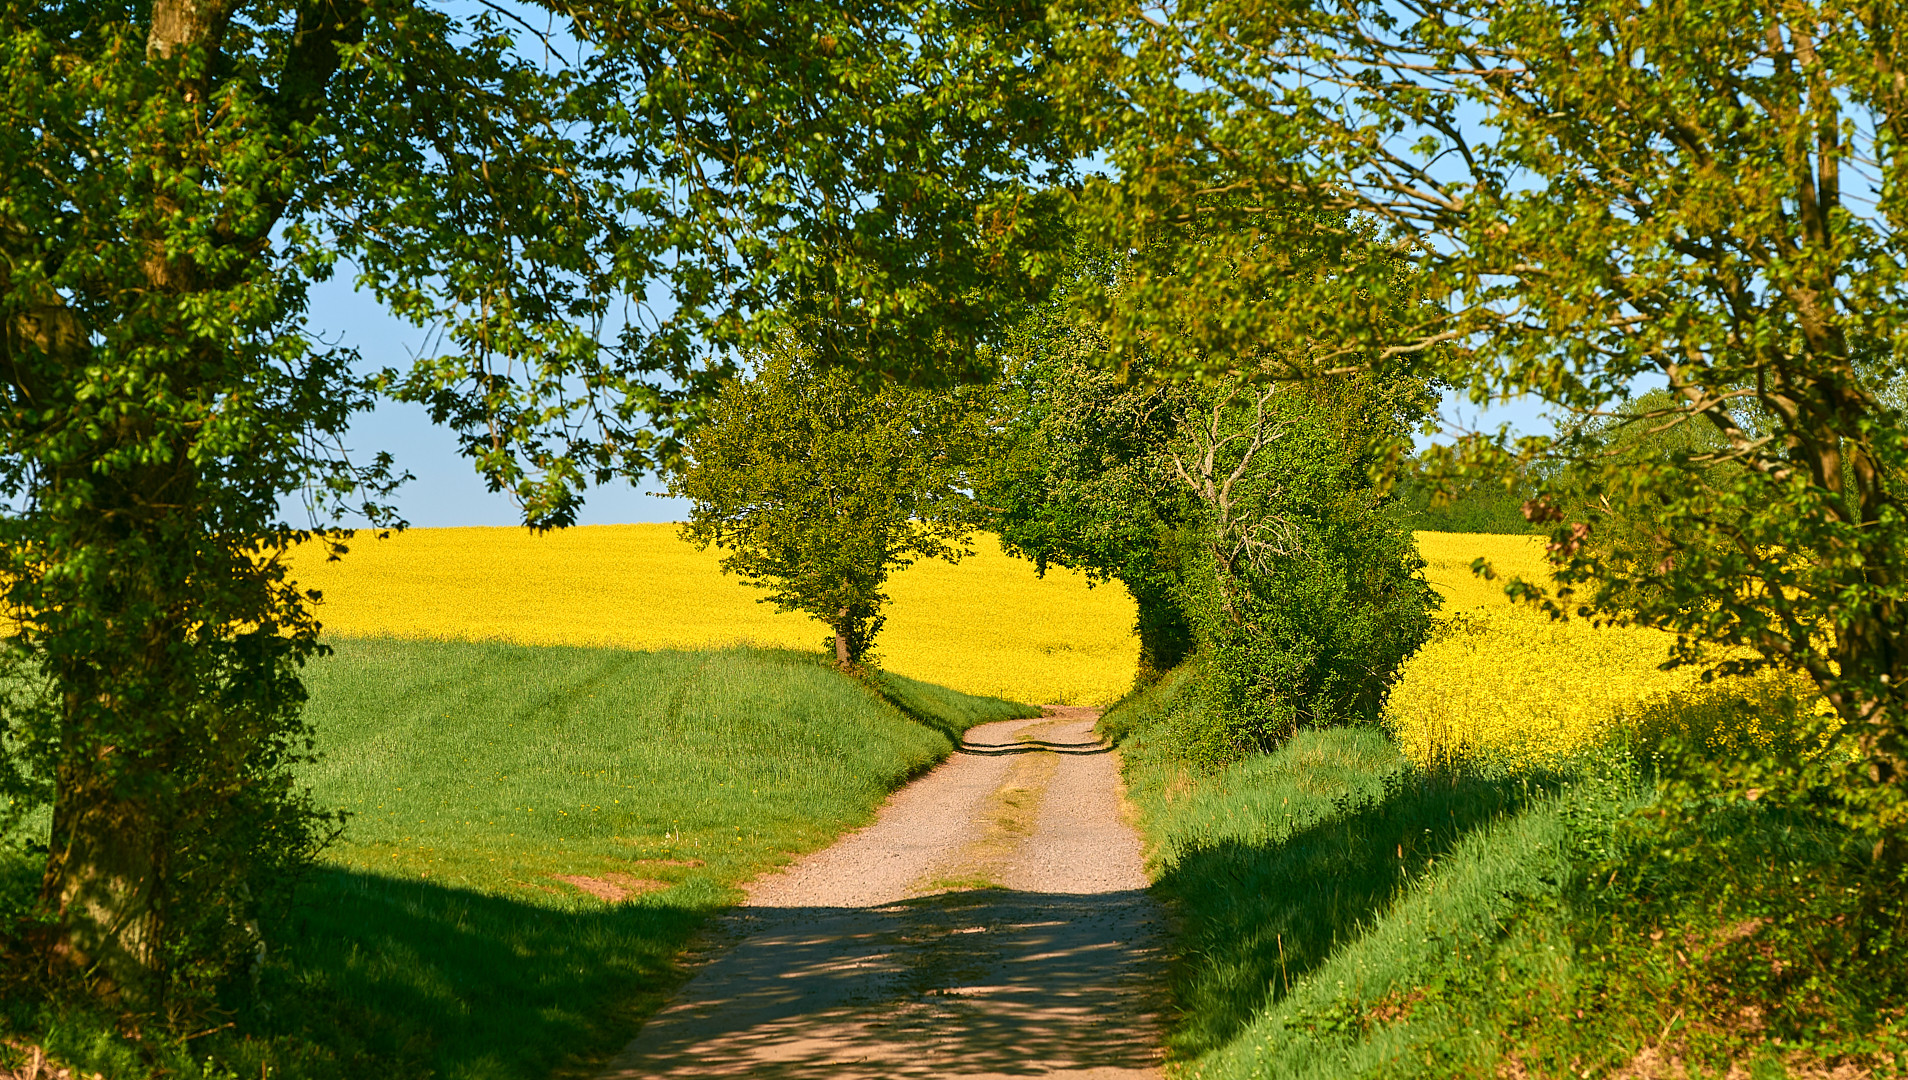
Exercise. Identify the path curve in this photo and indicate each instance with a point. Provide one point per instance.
(992, 922)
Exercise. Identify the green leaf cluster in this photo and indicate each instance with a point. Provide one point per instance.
(1079, 474)
(1569, 202)
(818, 486)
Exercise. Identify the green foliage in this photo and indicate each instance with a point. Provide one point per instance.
(1310, 596)
(1079, 474)
(1635, 540)
(1586, 196)
(1319, 881)
(699, 180)
(1242, 514)
(882, 176)
(435, 941)
(818, 486)
(1760, 923)
(1479, 506)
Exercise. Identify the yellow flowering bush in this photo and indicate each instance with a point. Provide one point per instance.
(1505, 683)
(985, 626)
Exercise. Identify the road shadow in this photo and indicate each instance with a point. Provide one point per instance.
(1033, 746)
(984, 983)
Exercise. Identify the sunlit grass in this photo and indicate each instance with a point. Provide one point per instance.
(494, 767)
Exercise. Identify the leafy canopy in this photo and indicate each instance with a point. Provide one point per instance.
(1706, 195)
(594, 225)
(819, 486)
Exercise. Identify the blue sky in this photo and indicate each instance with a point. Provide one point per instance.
(447, 491)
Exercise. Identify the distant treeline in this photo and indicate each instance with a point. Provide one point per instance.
(1480, 508)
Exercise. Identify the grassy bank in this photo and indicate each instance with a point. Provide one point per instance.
(534, 833)
(1346, 913)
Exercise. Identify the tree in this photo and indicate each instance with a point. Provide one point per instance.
(1238, 504)
(1081, 476)
(1633, 538)
(820, 486)
(1707, 194)
(174, 175)
(1310, 595)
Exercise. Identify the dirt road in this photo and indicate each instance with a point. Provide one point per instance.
(991, 923)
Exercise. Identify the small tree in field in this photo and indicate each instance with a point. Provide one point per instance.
(820, 486)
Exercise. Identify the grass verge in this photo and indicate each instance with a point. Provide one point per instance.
(1344, 913)
(535, 833)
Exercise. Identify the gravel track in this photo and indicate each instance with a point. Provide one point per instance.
(992, 922)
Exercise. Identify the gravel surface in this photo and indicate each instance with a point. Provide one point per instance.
(992, 922)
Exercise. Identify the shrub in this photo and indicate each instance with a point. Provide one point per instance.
(1311, 594)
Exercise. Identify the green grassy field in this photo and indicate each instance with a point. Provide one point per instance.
(440, 938)
(1344, 914)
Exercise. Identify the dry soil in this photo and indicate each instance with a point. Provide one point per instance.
(992, 922)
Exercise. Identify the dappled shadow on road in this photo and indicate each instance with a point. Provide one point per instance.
(1033, 746)
(973, 984)
(1259, 917)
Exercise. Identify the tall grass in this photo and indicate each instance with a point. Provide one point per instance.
(1347, 913)
(452, 931)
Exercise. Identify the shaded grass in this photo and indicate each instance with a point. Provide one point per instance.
(1327, 893)
(1346, 914)
(1303, 880)
(436, 940)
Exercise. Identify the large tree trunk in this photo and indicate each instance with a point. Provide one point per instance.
(105, 871)
(105, 882)
(151, 750)
(102, 883)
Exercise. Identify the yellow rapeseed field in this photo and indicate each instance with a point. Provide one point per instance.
(1503, 682)
(986, 626)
